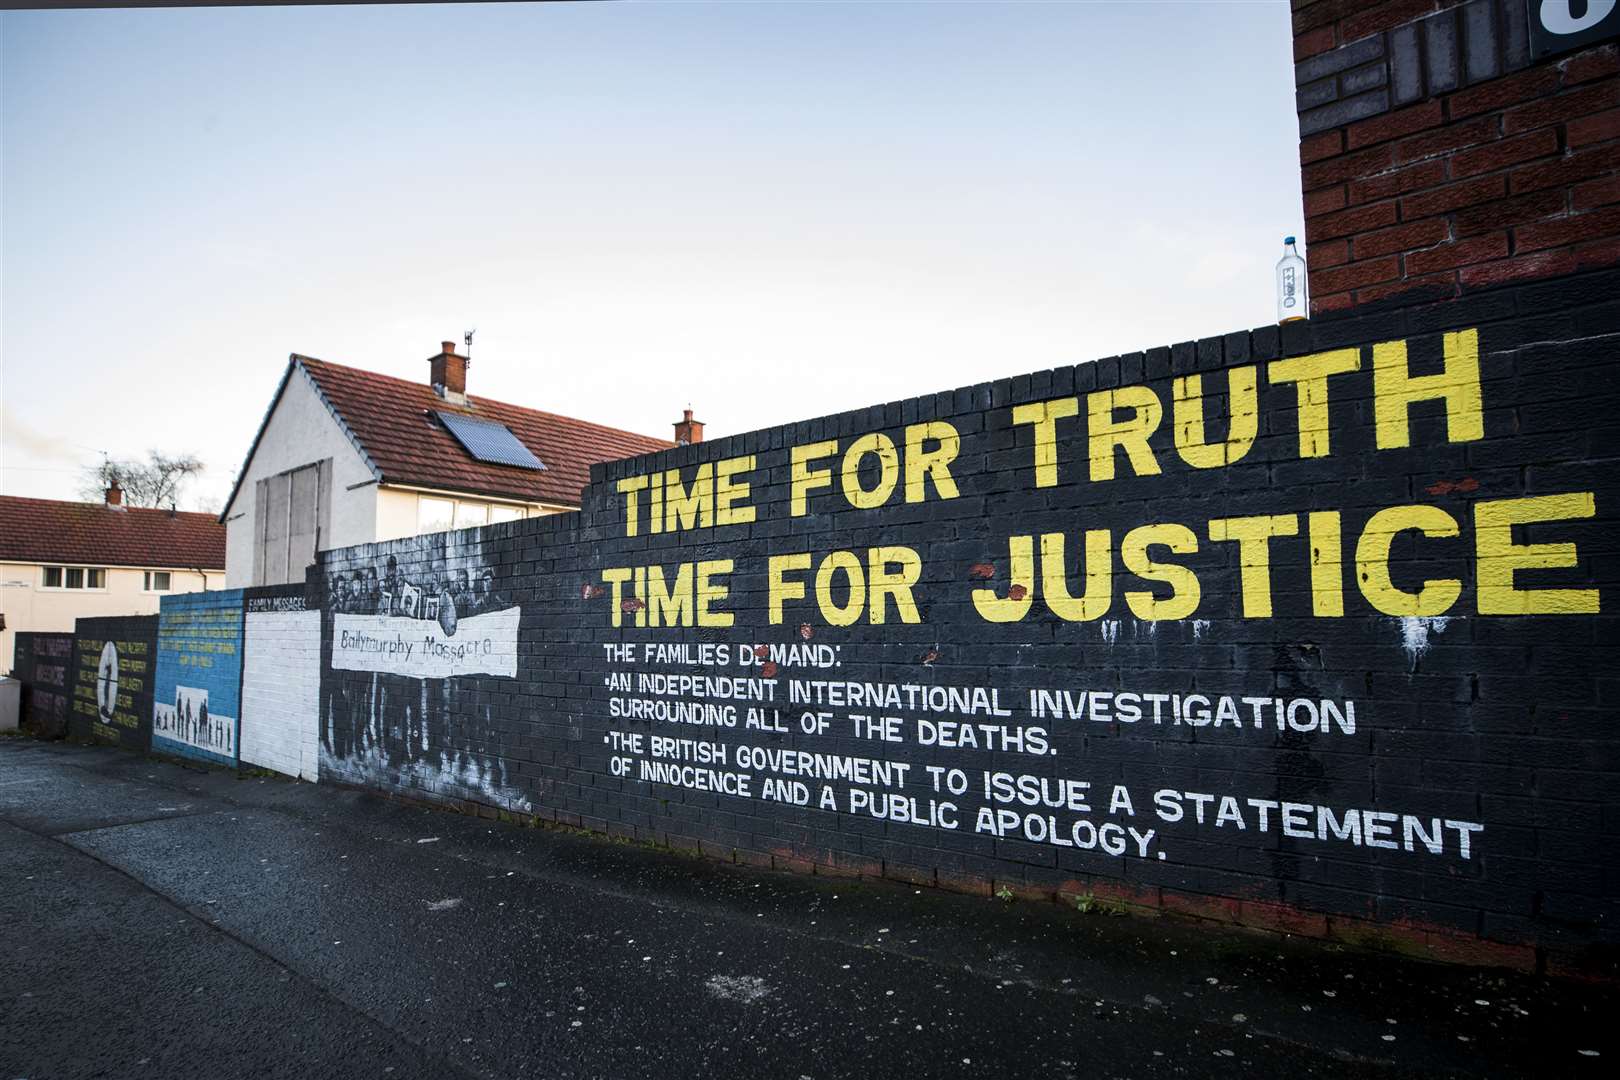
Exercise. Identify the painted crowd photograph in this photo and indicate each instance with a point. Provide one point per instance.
(636, 538)
(414, 658)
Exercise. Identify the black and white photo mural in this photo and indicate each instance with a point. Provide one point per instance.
(419, 649)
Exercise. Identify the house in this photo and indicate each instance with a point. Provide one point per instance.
(60, 561)
(346, 456)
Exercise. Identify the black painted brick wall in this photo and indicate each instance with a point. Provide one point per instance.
(1505, 721)
(43, 663)
(137, 680)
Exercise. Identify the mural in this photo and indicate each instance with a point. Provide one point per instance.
(1210, 621)
(199, 676)
(1227, 623)
(281, 681)
(112, 681)
(42, 662)
(415, 633)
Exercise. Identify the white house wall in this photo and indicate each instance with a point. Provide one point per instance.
(397, 509)
(396, 513)
(28, 605)
(301, 430)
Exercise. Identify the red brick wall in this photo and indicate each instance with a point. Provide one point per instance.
(1462, 162)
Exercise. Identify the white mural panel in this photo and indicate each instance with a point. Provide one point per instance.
(281, 691)
(427, 648)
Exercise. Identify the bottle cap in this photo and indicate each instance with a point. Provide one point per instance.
(1288, 239)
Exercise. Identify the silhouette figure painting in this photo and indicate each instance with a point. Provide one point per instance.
(107, 682)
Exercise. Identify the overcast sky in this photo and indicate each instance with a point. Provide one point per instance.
(768, 211)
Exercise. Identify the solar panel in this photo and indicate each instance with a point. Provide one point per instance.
(489, 441)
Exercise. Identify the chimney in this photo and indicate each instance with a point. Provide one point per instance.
(115, 494)
(448, 374)
(688, 430)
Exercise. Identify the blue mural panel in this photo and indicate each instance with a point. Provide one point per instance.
(197, 707)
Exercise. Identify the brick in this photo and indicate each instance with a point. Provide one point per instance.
(1343, 58)
(1408, 237)
(1346, 222)
(1595, 193)
(1462, 253)
(1344, 111)
(1512, 211)
(1401, 937)
(1321, 305)
(1337, 170)
(1394, 125)
(1357, 274)
(1477, 952)
(1500, 155)
(1524, 268)
(1568, 107)
(1215, 908)
(1453, 136)
(1322, 13)
(1282, 919)
(1324, 201)
(1317, 147)
(1581, 165)
(1502, 93)
(1405, 65)
(1578, 228)
(1443, 63)
(1601, 254)
(1515, 37)
(1384, 16)
(1480, 61)
(1432, 286)
(1315, 94)
(1600, 127)
(963, 883)
(1591, 64)
(1361, 79)
(1452, 196)
(1313, 42)
(1425, 174)
(1327, 254)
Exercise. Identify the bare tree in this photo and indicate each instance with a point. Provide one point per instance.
(157, 481)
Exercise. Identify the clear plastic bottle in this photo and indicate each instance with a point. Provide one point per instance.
(1292, 302)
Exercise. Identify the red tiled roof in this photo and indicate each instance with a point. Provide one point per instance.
(53, 531)
(392, 421)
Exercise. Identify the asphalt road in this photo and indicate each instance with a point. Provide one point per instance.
(161, 921)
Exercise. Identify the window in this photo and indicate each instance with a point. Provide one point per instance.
(434, 515)
(75, 577)
(291, 512)
(156, 581)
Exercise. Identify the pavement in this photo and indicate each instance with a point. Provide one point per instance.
(160, 920)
